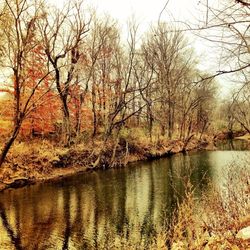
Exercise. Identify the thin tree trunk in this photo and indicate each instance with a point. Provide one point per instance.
(66, 123)
(79, 116)
(94, 111)
(9, 143)
(17, 120)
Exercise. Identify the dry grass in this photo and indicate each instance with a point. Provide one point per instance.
(40, 150)
(112, 242)
(214, 221)
(29, 160)
(244, 137)
(5, 127)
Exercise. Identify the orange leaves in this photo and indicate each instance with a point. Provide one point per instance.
(43, 114)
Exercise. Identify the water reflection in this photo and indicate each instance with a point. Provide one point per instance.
(233, 145)
(83, 212)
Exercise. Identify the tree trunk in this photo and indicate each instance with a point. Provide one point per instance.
(169, 124)
(94, 110)
(138, 115)
(150, 121)
(79, 116)
(18, 118)
(9, 143)
(169, 118)
(66, 133)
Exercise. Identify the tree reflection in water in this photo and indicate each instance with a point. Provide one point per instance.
(86, 211)
(15, 237)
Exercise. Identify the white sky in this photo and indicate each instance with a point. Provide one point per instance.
(146, 9)
(147, 12)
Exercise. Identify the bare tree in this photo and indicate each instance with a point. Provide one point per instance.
(63, 33)
(103, 45)
(165, 49)
(240, 106)
(227, 26)
(21, 38)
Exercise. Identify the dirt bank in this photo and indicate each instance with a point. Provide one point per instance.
(32, 162)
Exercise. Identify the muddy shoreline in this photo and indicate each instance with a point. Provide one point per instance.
(75, 161)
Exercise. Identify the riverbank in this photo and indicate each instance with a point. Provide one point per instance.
(37, 161)
(205, 218)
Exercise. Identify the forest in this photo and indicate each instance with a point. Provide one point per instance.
(75, 95)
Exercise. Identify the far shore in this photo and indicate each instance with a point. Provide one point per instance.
(27, 165)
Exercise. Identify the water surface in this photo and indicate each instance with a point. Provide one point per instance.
(85, 211)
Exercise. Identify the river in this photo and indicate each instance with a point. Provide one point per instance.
(85, 211)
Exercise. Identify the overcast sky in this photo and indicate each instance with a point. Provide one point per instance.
(147, 12)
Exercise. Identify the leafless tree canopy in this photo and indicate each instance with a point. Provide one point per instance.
(100, 85)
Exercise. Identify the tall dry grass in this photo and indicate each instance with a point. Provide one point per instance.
(214, 221)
